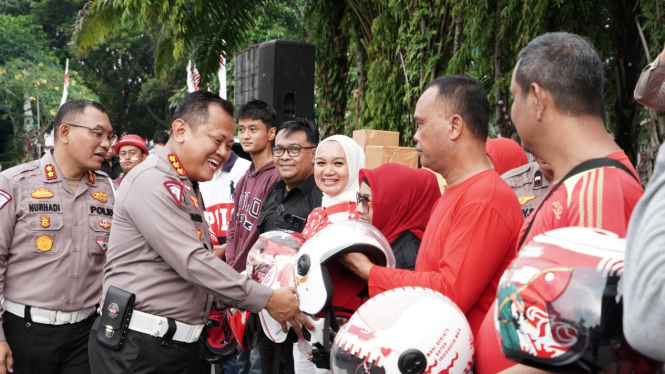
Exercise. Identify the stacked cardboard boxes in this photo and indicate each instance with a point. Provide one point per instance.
(382, 147)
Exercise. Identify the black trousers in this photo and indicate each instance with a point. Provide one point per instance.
(143, 354)
(276, 357)
(48, 349)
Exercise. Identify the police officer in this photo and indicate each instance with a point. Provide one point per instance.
(55, 218)
(530, 183)
(160, 251)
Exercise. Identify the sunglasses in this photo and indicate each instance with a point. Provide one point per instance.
(364, 200)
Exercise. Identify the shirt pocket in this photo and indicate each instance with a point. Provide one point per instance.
(101, 229)
(46, 233)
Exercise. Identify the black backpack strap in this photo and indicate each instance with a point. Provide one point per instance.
(586, 166)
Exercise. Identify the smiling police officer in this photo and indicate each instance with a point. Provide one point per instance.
(160, 257)
(55, 216)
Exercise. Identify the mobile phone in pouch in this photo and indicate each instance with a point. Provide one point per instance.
(295, 221)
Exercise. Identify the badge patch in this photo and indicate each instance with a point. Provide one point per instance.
(199, 233)
(4, 198)
(103, 244)
(176, 164)
(195, 201)
(175, 189)
(44, 243)
(557, 208)
(189, 189)
(42, 193)
(525, 199)
(113, 310)
(99, 196)
(45, 221)
(91, 177)
(538, 179)
(50, 172)
(105, 224)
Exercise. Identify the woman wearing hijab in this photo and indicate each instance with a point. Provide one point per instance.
(505, 154)
(398, 201)
(337, 163)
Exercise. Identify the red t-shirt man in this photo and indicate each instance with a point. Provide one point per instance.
(469, 241)
(602, 198)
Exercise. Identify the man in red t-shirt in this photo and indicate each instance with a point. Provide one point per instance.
(471, 235)
(557, 87)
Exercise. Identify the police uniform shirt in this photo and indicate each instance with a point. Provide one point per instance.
(650, 90)
(530, 185)
(160, 247)
(53, 240)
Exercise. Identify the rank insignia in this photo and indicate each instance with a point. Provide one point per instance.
(45, 221)
(44, 243)
(4, 198)
(195, 201)
(199, 232)
(175, 189)
(99, 196)
(525, 199)
(91, 178)
(50, 172)
(105, 224)
(42, 193)
(103, 244)
(176, 164)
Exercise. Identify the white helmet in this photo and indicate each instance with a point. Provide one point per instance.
(407, 330)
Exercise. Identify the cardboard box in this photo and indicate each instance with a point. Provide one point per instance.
(377, 155)
(376, 137)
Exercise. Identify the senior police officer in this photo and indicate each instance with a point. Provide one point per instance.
(160, 252)
(55, 216)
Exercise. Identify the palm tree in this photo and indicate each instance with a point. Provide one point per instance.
(182, 29)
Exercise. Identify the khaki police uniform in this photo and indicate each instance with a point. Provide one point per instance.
(53, 243)
(160, 250)
(650, 90)
(530, 185)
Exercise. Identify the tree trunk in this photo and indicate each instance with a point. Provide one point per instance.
(360, 65)
(458, 33)
(504, 128)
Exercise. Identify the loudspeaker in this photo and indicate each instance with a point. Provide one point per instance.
(279, 72)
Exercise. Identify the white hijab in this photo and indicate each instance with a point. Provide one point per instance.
(355, 160)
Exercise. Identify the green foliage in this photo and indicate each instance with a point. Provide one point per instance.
(20, 38)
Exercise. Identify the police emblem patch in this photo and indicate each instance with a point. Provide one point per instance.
(105, 224)
(44, 243)
(91, 177)
(103, 244)
(195, 201)
(176, 164)
(41, 193)
(99, 196)
(113, 310)
(49, 170)
(45, 221)
(4, 198)
(175, 189)
(525, 199)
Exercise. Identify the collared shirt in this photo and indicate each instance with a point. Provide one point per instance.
(160, 249)
(649, 90)
(113, 170)
(292, 215)
(53, 240)
(529, 184)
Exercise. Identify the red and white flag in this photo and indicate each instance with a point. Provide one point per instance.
(190, 78)
(222, 76)
(197, 78)
(65, 89)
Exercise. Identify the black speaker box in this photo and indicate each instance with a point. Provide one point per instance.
(279, 72)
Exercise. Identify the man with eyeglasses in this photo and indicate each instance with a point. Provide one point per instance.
(132, 151)
(287, 206)
(55, 219)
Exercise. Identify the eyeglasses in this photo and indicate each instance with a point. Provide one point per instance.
(294, 150)
(98, 133)
(364, 200)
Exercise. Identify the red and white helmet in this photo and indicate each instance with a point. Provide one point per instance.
(271, 247)
(407, 330)
(237, 320)
(559, 308)
(218, 344)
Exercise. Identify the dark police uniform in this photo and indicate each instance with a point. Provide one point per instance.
(160, 250)
(53, 243)
(530, 185)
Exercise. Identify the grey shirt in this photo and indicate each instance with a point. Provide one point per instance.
(160, 248)
(529, 184)
(644, 273)
(649, 90)
(53, 240)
